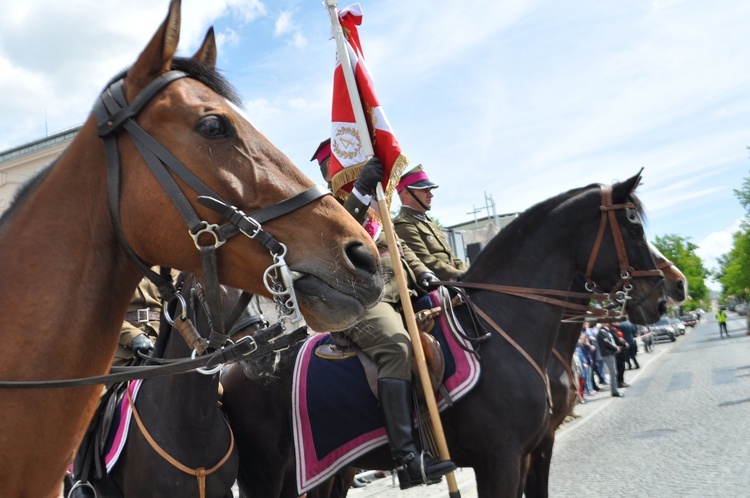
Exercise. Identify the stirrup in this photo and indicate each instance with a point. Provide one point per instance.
(405, 477)
(81, 484)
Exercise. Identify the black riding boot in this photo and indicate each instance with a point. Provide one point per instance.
(414, 467)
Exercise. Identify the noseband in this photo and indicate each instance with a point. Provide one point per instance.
(114, 114)
(627, 272)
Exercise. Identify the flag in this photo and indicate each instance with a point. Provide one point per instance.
(347, 153)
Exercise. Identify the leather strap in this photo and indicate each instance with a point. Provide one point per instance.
(537, 295)
(138, 316)
(200, 473)
(518, 348)
(244, 349)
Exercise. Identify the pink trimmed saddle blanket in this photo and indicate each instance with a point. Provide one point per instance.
(335, 416)
(120, 431)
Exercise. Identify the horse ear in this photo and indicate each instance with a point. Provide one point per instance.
(156, 58)
(207, 53)
(623, 190)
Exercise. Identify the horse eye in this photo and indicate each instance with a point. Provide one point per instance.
(632, 216)
(212, 127)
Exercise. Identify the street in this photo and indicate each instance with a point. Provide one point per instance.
(679, 430)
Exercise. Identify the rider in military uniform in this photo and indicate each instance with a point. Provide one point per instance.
(382, 336)
(141, 325)
(419, 232)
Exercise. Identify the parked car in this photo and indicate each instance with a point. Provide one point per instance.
(689, 320)
(741, 309)
(663, 330)
(678, 326)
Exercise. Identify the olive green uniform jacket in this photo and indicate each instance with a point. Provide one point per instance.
(146, 296)
(381, 334)
(428, 242)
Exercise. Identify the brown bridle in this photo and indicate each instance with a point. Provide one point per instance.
(627, 272)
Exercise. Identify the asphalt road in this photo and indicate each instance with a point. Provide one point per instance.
(680, 430)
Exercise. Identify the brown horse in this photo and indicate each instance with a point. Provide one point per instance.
(68, 263)
(563, 388)
(502, 419)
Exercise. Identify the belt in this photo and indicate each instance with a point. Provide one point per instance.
(143, 315)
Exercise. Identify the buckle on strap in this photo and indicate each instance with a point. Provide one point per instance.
(142, 315)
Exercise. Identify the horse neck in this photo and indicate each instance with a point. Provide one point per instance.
(59, 250)
(182, 402)
(532, 324)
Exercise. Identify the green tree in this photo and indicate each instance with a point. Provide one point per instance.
(733, 269)
(743, 195)
(681, 251)
(734, 266)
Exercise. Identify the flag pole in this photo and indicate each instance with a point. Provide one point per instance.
(400, 276)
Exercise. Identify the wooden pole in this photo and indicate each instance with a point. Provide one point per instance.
(393, 249)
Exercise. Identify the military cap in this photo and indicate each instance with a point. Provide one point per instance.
(415, 179)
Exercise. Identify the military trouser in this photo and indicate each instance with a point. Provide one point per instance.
(382, 336)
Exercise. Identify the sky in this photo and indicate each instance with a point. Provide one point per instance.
(516, 100)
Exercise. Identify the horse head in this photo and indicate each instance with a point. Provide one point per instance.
(675, 282)
(333, 262)
(637, 284)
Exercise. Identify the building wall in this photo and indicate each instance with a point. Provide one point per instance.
(20, 164)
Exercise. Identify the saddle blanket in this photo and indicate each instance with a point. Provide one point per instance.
(335, 416)
(120, 426)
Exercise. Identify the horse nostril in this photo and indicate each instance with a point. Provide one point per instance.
(361, 257)
(681, 285)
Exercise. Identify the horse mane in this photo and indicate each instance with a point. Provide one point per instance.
(517, 229)
(24, 190)
(206, 74)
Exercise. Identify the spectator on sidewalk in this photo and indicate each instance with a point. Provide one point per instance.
(620, 357)
(596, 354)
(629, 331)
(583, 353)
(608, 348)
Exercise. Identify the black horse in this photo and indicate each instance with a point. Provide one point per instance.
(595, 231)
(563, 387)
(179, 440)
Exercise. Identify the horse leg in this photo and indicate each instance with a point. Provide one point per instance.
(499, 477)
(537, 477)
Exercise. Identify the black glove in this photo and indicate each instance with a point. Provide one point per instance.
(425, 280)
(142, 344)
(371, 174)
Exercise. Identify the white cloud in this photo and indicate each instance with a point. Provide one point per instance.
(284, 23)
(247, 10)
(717, 244)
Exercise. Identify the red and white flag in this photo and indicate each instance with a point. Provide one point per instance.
(347, 153)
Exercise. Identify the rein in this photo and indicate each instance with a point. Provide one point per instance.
(114, 114)
(245, 349)
(200, 473)
(541, 295)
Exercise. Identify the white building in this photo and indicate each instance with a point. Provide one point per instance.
(19, 164)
